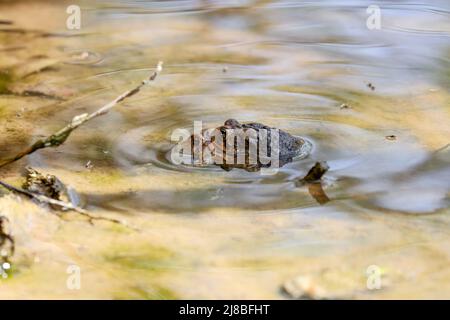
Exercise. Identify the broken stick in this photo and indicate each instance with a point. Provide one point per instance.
(61, 136)
(62, 204)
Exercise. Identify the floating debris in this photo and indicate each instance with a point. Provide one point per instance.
(391, 137)
(61, 136)
(49, 186)
(313, 181)
(89, 165)
(316, 172)
(84, 57)
(303, 287)
(39, 94)
(345, 106)
(371, 86)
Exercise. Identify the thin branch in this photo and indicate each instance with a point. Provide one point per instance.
(442, 148)
(42, 198)
(61, 204)
(61, 136)
(313, 181)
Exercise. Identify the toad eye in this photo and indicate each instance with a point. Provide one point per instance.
(232, 123)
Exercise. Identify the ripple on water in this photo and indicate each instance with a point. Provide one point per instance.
(85, 57)
(343, 146)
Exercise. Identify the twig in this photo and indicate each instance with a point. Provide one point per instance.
(442, 148)
(62, 204)
(313, 181)
(61, 136)
(42, 198)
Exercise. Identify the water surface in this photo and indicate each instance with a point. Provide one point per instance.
(204, 232)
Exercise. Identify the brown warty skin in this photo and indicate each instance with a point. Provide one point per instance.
(289, 146)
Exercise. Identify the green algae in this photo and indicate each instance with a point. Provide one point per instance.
(149, 258)
(154, 292)
(5, 82)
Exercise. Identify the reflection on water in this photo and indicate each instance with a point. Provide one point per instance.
(214, 234)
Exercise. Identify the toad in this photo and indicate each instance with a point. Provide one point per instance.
(249, 146)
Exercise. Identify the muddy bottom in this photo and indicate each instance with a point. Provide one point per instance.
(373, 103)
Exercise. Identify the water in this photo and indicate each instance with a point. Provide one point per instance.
(204, 232)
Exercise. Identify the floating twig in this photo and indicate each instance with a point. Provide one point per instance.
(316, 172)
(42, 198)
(56, 140)
(61, 136)
(313, 181)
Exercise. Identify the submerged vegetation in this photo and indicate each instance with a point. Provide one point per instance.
(5, 81)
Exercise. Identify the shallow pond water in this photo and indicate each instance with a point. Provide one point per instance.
(375, 104)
